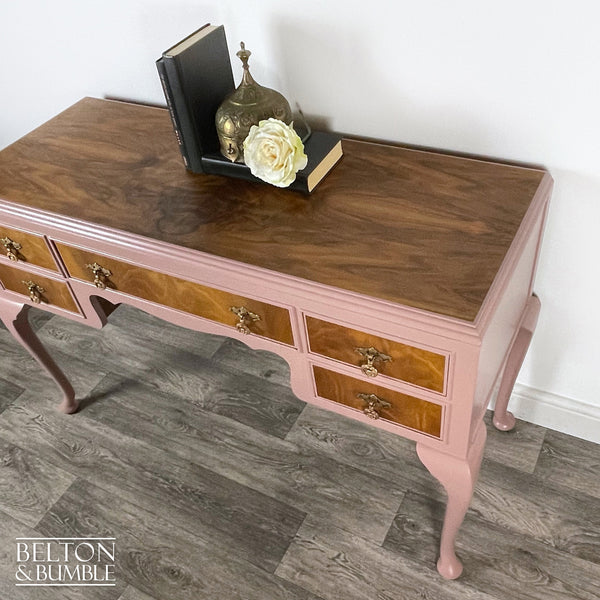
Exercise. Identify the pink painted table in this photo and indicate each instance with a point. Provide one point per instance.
(400, 291)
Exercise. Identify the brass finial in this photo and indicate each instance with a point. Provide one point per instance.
(244, 55)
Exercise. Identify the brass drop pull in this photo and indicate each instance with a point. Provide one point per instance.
(245, 318)
(12, 248)
(100, 275)
(374, 404)
(372, 355)
(35, 291)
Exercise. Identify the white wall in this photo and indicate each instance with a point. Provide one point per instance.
(517, 80)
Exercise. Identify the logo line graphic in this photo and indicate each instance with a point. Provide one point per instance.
(39, 538)
(64, 584)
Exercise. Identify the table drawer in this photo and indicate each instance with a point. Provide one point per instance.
(44, 290)
(399, 408)
(32, 248)
(273, 321)
(404, 362)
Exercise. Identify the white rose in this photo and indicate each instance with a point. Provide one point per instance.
(274, 152)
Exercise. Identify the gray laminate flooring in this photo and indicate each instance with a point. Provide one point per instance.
(219, 484)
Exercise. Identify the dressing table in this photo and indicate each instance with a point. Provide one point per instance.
(400, 291)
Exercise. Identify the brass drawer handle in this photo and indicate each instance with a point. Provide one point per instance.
(245, 317)
(100, 275)
(372, 355)
(35, 291)
(12, 248)
(374, 404)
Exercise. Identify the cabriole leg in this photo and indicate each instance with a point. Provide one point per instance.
(503, 419)
(458, 477)
(14, 316)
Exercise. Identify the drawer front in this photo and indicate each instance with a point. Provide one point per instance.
(274, 321)
(406, 363)
(402, 409)
(26, 247)
(46, 290)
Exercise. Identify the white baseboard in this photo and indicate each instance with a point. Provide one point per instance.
(560, 413)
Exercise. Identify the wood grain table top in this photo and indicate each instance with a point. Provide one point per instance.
(416, 228)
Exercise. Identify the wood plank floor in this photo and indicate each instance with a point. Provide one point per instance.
(218, 483)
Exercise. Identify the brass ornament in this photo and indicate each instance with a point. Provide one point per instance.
(12, 248)
(372, 355)
(101, 275)
(374, 405)
(245, 317)
(249, 104)
(35, 291)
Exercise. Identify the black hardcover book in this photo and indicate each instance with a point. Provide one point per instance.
(196, 77)
(323, 149)
(160, 65)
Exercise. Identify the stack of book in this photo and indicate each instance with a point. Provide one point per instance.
(196, 76)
